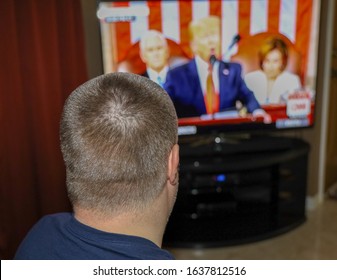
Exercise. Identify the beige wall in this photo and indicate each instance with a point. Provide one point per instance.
(331, 155)
(317, 136)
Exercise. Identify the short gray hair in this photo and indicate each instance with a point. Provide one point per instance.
(117, 131)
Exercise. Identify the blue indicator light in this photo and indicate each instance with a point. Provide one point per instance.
(221, 178)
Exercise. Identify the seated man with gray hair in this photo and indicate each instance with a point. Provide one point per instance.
(119, 144)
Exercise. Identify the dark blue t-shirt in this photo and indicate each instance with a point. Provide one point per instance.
(61, 237)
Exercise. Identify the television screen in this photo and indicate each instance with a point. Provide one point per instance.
(228, 65)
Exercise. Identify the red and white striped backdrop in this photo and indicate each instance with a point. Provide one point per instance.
(245, 17)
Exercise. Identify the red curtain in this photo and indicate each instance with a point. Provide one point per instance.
(42, 59)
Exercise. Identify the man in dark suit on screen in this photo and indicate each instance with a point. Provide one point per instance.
(154, 52)
(206, 85)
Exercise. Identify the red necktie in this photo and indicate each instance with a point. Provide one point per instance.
(211, 97)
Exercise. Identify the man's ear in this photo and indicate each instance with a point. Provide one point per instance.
(168, 52)
(173, 164)
(142, 57)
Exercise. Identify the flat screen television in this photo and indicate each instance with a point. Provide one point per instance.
(287, 98)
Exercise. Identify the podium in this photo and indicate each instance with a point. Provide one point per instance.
(238, 190)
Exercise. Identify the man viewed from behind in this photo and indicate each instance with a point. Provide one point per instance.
(154, 52)
(119, 143)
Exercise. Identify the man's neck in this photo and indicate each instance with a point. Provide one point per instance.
(144, 225)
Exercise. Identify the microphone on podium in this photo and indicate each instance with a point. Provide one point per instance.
(235, 40)
(212, 59)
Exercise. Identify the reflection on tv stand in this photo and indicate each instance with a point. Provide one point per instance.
(226, 144)
(238, 189)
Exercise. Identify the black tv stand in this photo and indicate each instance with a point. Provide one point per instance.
(237, 190)
(219, 144)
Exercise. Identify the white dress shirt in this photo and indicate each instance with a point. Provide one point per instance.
(160, 77)
(202, 68)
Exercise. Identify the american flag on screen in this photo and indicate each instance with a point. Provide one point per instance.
(292, 18)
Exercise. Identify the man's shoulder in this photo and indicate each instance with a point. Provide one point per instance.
(231, 65)
(53, 219)
(182, 67)
(61, 236)
(36, 244)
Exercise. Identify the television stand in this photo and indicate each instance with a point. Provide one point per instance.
(234, 144)
(234, 191)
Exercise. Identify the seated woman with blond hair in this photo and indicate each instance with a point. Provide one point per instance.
(272, 83)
